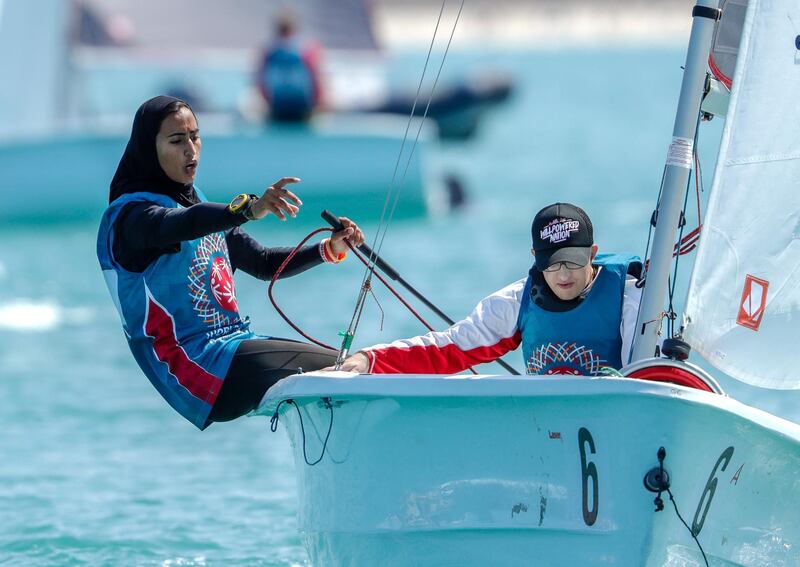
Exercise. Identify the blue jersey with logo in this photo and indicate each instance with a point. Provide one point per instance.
(288, 81)
(179, 315)
(582, 340)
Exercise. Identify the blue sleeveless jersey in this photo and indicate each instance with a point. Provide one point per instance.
(288, 81)
(582, 340)
(179, 315)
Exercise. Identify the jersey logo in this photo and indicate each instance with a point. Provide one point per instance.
(222, 284)
(211, 283)
(564, 358)
(753, 302)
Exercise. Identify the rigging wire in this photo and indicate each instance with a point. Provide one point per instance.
(684, 244)
(653, 220)
(677, 254)
(383, 225)
(359, 307)
(390, 189)
(698, 185)
(419, 128)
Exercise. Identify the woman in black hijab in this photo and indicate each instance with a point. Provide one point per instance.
(168, 257)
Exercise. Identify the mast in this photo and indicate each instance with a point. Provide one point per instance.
(679, 163)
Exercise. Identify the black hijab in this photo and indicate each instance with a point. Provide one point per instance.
(139, 170)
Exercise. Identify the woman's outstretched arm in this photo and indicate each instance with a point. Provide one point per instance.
(144, 231)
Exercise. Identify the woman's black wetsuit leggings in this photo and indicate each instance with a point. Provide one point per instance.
(257, 365)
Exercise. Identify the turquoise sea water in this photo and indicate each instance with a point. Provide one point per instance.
(95, 469)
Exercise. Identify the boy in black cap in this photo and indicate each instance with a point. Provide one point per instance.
(563, 249)
(574, 313)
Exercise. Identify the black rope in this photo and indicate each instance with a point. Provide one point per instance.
(657, 480)
(697, 541)
(273, 426)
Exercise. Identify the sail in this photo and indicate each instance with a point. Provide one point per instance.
(743, 308)
(727, 36)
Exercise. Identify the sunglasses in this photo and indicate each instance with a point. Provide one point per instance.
(568, 265)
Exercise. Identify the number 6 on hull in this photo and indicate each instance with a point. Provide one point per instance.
(588, 470)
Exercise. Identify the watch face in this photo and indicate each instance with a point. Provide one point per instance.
(238, 202)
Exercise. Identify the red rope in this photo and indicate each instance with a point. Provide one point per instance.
(390, 288)
(278, 273)
(397, 295)
(364, 261)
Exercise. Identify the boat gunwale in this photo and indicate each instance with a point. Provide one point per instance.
(337, 384)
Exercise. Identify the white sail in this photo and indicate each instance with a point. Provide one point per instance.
(743, 309)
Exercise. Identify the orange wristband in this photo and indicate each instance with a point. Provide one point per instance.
(330, 256)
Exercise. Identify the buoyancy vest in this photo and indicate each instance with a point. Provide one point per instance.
(288, 81)
(179, 315)
(584, 339)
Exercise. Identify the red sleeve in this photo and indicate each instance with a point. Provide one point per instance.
(432, 359)
(488, 333)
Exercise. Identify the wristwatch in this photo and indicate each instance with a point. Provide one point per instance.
(238, 203)
(241, 204)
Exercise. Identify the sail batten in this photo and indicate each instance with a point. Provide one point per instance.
(743, 308)
(762, 159)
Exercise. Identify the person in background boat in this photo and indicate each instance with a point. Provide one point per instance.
(574, 313)
(168, 257)
(288, 76)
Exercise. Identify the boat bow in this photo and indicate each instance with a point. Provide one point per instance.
(502, 470)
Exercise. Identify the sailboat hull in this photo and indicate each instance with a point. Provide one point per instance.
(507, 471)
(340, 160)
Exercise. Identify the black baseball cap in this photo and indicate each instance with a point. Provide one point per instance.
(562, 233)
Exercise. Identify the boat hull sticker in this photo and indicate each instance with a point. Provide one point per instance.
(681, 152)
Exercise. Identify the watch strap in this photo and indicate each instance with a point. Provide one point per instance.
(247, 211)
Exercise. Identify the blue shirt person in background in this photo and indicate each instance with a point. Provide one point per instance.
(288, 76)
(168, 257)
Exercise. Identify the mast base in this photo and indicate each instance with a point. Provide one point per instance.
(676, 349)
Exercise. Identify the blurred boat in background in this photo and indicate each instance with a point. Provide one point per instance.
(67, 104)
(354, 70)
(66, 107)
(339, 161)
